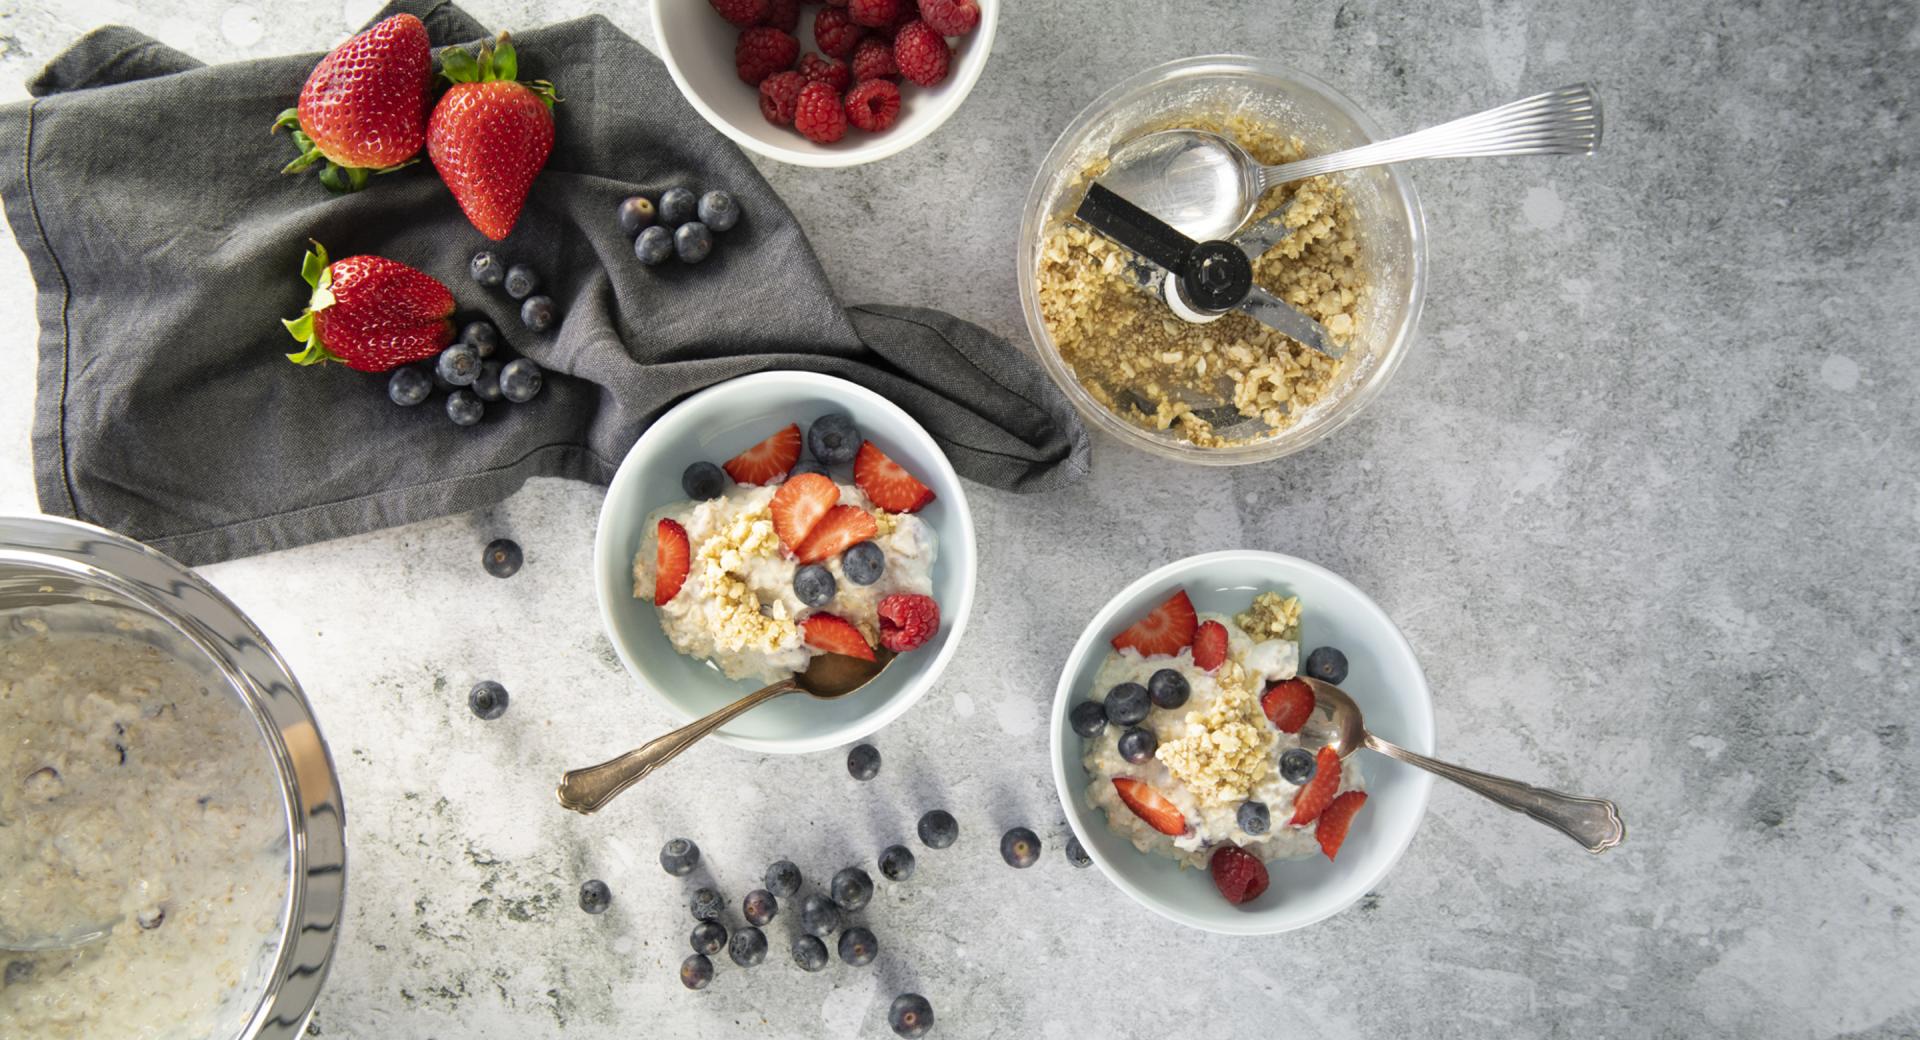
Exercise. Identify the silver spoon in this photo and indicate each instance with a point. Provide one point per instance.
(1593, 822)
(71, 940)
(829, 676)
(1206, 185)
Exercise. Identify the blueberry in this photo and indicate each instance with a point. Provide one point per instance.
(783, 878)
(1088, 718)
(759, 906)
(1077, 853)
(696, 971)
(910, 1015)
(488, 699)
(521, 281)
(833, 439)
(409, 385)
(819, 916)
(1168, 688)
(486, 385)
(487, 269)
(858, 947)
(1138, 744)
(482, 337)
(863, 563)
(654, 246)
(813, 584)
(692, 242)
(718, 211)
(679, 856)
(520, 380)
(1327, 664)
(677, 206)
(1020, 847)
(896, 863)
(807, 466)
(538, 313)
(1296, 765)
(21, 970)
(706, 904)
(595, 896)
(748, 946)
(863, 762)
(464, 408)
(459, 364)
(703, 480)
(501, 557)
(1127, 704)
(938, 829)
(852, 888)
(709, 937)
(1253, 817)
(636, 212)
(809, 953)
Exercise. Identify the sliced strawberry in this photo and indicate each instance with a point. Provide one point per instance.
(835, 635)
(1209, 646)
(671, 558)
(890, 487)
(1238, 874)
(841, 528)
(1334, 820)
(1288, 703)
(800, 503)
(1166, 631)
(767, 461)
(1314, 798)
(1150, 805)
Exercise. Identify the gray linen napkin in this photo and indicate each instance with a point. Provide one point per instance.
(142, 186)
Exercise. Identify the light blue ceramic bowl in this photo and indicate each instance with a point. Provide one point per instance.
(717, 424)
(1384, 680)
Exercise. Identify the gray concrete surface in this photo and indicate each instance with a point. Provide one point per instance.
(1644, 499)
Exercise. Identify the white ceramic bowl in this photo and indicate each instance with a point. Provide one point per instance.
(1384, 679)
(716, 424)
(697, 45)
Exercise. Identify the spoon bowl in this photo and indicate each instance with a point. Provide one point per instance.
(70, 940)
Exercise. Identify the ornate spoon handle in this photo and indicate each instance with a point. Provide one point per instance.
(588, 790)
(1593, 822)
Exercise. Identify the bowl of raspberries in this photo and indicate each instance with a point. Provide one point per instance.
(838, 83)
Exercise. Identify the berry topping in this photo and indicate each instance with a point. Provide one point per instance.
(1288, 704)
(798, 506)
(1296, 765)
(1209, 646)
(863, 762)
(842, 528)
(950, 17)
(1164, 632)
(835, 33)
(896, 863)
(742, 12)
(487, 699)
(1314, 798)
(874, 13)
(814, 585)
(672, 559)
(818, 114)
(1150, 805)
(1238, 874)
(696, 971)
(767, 461)
(921, 53)
(873, 59)
(1020, 847)
(782, 14)
(1328, 665)
(1137, 745)
(1088, 718)
(1127, 704)
(595, 897)
(703, 480)
(679, 856)
(1253, 817)
(1168, 688)
(858, 947)
(501, 557)
(910, 1015)
(834, 439)
(863, 563)
(886, 484)
(831, 71)
(835, 635)
(1335, 819)
(907, 621)
(873, 105)
(783, 878)
(938, 829)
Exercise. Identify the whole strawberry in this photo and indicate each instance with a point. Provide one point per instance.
(490, 135)
(364, 107)
(370, 313)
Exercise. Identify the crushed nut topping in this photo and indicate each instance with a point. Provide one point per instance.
(722, 560)
(1271, 616)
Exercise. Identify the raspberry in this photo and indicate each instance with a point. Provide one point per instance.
(819, 115)
(921, 53)
(835, 33)
(950, 17)
(873, 59)
(873, 13)
(783, 15)
(836, 3)
(760, 52)
(873, 105)
(907, 619)
(826, 70)
(780, 95)
(742, 13)
(1237, 873)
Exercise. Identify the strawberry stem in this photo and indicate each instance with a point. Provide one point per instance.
(317, 273)
(495, 62)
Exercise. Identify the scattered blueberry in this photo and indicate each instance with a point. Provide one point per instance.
(809, 953)
(1253, 817)
(488, 699)
(703, 480)
(1127, 704)
(482, 337)
(759, 906)
(709, 937)
(819, 916)
(833, 439)
(654, 246)
(863, 762)
(1296, 765)
(696, 971)
(938, 829)
(1138, 744)
(486, 385)
(718, 211)
(459, 364)
(1327, 664)
(1168, 688)
(706, 904)
(520, 380)
(863, 563)
(692, 242)
(858, 947)
(910, 1016)
(1020, 847)
(852, 888)
(814, 585)
(679, 856)
(501, 557)
(409, 385)
(636, 212)
(487, 269)
(677, 206)
(438, 383)
(521, 281)
(1088, 718)
(464, 408)
(896, 863)
(537, 313)
(1077, 853)
(807, 466)
(595, 896)
(783, 878)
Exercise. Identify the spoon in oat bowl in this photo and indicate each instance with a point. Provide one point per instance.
(828, 677)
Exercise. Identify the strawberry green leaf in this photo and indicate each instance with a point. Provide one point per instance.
(300, 328)
(459, 66)
(289, 119)
(344, 180)
(506, 61)
(314, 267)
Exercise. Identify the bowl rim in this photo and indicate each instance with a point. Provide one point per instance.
(915, 688)
(895, 140)
(1063, 694)
(1096, 414)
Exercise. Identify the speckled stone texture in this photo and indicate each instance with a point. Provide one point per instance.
(1644, 499)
